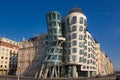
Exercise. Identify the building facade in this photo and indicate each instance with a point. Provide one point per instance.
(30, 52)
(79, 56)
(104, 64)
(8, 56)
(79, 47)
(51, 65)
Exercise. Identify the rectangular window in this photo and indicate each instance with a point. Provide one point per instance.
(85, 22)
(74, 58)
(54, 57)
(69, 45)
(68, 51)
(74, 50)
(80, 59)
(74, 43)
(84, 60)
(54, 16)
(57, 50)
(88, 61)
(81, 37)
(58, 17)
(81, 28)
(81, 52)
(74, 36)
(74, 28)
(89, 50)
(81, 44)
(89, 43)
(74, 19)
(88, 55)
(69, 37)
(85, 53)
(81, 20)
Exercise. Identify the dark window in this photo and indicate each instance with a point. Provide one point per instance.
(74, 28)
(74, 58)
(69, 38)
(81, 37)
(1, 66)
(81, 28)
(81, 20)
(74, 36)
(68, 29)
(68, 51)
(69, 45)
(54, 16)
(85, 22)
(85, 54)
(6, 58)
(58, 16)
(80, 59)
(74, 50)
(54, 57)
(49, 56)
(81, 52)
(74, 43)
(74, 19)
(2, 57)
(57, 50)
(88, 55)
(81, 44)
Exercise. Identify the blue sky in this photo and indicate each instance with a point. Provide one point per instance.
(26, 18)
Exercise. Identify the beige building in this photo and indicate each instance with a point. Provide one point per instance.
(104, 65)
(30, 52)
(8, 56)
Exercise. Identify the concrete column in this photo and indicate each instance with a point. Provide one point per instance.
(74, 72)
(88, 73)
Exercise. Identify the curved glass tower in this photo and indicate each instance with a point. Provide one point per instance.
(54, 31)
(52, 60)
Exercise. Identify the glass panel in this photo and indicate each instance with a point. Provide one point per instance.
(85, 22)
(54, 16)
(58, 16)
(49, 56)
(57, 50)
(54, 57)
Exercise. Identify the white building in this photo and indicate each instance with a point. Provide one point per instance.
(79, 47)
